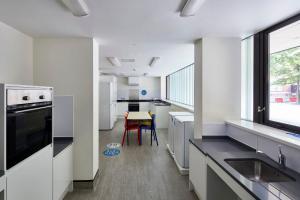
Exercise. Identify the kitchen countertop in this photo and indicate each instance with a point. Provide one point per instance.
(221, 148)
(60, 143)
(156, 102)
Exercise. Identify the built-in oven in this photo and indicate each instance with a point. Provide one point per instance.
(28, 123)
(133, 107)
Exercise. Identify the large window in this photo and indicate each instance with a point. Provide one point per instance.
(180, 86)
(277, 74)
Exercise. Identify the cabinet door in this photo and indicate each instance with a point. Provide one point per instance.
(179, 143)
(197, 173)
(144, 106)
(171, 133)
(62, 172)
(32, 178)
(122, 107)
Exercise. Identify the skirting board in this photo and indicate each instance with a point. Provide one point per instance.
(182, 171)
(170, 151)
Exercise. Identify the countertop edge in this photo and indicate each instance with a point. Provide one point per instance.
(60, 144)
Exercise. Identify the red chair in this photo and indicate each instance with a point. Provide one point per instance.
(130, 126)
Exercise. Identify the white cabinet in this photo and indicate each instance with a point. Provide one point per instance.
(3, 187)
(162, 115)
(122, 107)
(184, 130)
(171, 128)
(144, 106)
(198, 172)
(63, 173)
(31, 178)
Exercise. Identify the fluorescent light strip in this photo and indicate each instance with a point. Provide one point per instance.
(191, 7)
(114, 61)
(153, 61)
(77, 7)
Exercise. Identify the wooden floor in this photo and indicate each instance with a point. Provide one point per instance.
(138, 172)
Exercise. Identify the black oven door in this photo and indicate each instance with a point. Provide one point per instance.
(27, 132)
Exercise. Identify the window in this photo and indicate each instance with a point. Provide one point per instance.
(180, 86)
(247, 79)
(277, 72)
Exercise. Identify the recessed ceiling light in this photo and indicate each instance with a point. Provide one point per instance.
(114, 61)
(153, 61)
(191, 7)
(77, 7)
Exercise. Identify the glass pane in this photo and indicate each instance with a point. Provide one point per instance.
(284, 75)
(181, 86)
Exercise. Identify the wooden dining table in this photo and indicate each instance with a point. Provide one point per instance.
(139, 117)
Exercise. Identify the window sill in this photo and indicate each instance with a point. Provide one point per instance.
(189, 108)
(267, 132)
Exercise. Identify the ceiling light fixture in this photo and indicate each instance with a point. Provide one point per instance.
(77, 7)
(153, 61)
(191, 7)
(114, 61)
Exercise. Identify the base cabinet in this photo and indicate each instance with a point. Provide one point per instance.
(32, 178)
(122, 107)
(198, 172)
(63, 173)
(144, 106)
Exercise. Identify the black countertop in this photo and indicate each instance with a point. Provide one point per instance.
(156, 102)
(60, 143)
(221, 148)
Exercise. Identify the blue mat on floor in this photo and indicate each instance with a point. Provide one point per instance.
(111, 152)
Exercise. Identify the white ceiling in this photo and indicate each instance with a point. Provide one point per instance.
(142, 29)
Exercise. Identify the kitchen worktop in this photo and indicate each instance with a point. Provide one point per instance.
(60, 143)
(221, 148)
(156, 102)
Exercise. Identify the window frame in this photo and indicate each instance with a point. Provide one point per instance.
(167, 88)
(261, 77)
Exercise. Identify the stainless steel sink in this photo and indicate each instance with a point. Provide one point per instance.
(257, 170)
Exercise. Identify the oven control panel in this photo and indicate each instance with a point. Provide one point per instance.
(25, 96)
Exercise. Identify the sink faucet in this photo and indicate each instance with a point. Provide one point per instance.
(281, 158)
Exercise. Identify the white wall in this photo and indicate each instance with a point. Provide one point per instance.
(198, 67)
(95, 107)
(67, 65)
(217, 83)
(151, 84)
(163, 87)
(221, 79)
(16, 59)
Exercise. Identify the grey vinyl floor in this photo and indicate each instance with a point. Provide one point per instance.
(138, 172)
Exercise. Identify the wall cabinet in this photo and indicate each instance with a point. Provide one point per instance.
(32, 178)
(63, 173)
(198, 171)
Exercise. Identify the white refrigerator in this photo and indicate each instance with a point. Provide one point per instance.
(171, 128)
(107, 106)
(184, 130)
